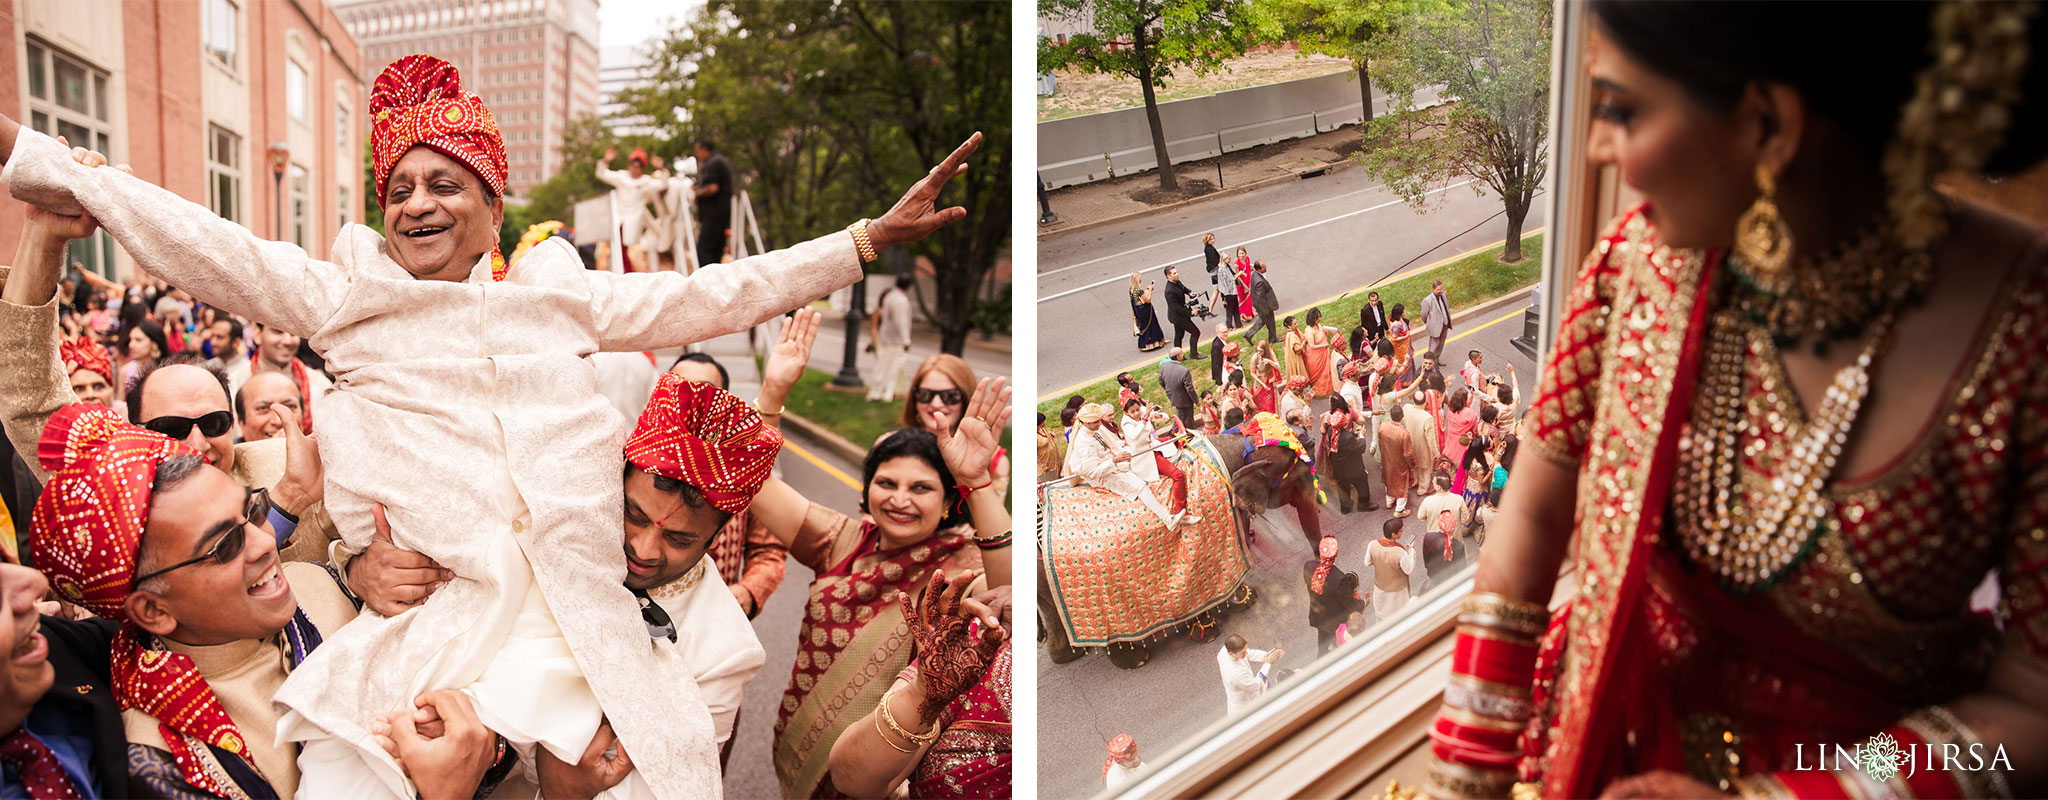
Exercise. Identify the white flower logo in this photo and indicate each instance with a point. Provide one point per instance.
(1881, 757)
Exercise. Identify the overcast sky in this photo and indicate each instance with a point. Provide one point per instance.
(626, 23)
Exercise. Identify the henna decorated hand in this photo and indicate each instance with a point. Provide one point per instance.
(950, 659)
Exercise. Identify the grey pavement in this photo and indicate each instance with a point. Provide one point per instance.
(1172, 699)
(750, 773)
(1319, 237)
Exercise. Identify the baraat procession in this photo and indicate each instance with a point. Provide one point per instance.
(455, 555)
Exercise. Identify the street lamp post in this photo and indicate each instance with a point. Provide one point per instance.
(848, 378)
(280, 153)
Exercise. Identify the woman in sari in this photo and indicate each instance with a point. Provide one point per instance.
(938, 394)
(1398, 332)
(1461, 420)
(1145, 317)
(949, 733)
(855, 637)
(1295, 342)
(1785, 451)
(1316, 354)
(1243, 274)
(1266, 376)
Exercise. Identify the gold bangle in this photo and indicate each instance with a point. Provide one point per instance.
(920, 738)
(885, 737)
(861, 244)
(765, 412)
(1500, 612)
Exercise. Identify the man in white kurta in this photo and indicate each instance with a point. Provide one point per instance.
(1246, 672)
(469, 410)
(892, 340)
(632, 190)
(1098, 456)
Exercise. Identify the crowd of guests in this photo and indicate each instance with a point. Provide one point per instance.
(440, 576)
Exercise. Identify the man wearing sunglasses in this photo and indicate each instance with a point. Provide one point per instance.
(139, 529)
(187, 402)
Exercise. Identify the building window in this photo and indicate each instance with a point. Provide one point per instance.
(296, 92)
(297, 178)
(68, 98)
(221, 26)
(224, 172)
(340, 207)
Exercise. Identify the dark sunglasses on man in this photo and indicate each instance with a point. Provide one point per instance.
(951, 397)
(659, 624)
(228, 536)
(210, 425)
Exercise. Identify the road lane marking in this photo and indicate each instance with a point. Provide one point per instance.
(820, 464)
(1225, 226)
(1496, 321)
(1409, 274)
(1122, 278)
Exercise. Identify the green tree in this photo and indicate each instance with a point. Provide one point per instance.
(1147, 40)
(373, 213)
(835, 109)
(1349, 29)
(1494, 57)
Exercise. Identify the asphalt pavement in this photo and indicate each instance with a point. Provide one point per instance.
(1174, 698)
(1320, 237)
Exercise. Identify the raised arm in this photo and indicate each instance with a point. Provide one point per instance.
(33, 383)
(217, 261)
(651, 311)
(785, 365)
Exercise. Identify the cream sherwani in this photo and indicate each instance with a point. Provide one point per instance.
(470, 410)
(633, 195)
(716, 639)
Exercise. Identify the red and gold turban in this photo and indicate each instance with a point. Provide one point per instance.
(419, 100)
(84, 353)
(85, 530)
(1120, 748)
(705, 437)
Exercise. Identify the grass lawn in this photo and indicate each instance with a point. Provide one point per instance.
(1471, 281)
(847, 414)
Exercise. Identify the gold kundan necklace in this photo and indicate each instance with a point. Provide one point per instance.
(1749, 498)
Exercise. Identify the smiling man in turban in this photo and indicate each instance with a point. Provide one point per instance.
(139, 529)
(468, 408)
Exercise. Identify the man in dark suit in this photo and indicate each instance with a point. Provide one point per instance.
(1264, 303)
(1373, 317)
(59, 725)
(1180, 387)
(1218, 356)
(1177, 313)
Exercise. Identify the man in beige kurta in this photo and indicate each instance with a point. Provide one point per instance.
(1421, 427)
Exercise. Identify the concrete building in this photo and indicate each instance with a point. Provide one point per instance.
(252, 107)
(533, 61)
(619, 69)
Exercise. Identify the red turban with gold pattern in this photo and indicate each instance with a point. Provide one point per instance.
(705, 437)
(419, 100)
(84, 353)
(86, 528)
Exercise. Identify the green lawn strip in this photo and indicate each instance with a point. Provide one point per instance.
(848, 414)
(1471, 281)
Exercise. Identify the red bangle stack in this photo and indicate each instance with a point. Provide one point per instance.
(1476, 740)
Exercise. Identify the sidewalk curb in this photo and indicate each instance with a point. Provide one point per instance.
(832, 441)
(1045, 235)
(1517, 296)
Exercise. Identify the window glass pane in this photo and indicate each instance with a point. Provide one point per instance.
(295, 90)
(99, 97)
(78, 135)
(71, 86)
(103, 146)
(38, 80)
(221, 24)
(41, 123)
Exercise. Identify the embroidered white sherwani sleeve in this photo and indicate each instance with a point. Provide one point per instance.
(470, 410)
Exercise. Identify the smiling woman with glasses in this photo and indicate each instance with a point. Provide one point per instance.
(938, 397)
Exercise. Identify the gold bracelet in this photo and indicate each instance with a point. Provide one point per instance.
(920, 738)
(1489, 610)
(861, 244)
(885, 737)
(765, 412)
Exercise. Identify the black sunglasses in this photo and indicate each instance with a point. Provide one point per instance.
(659, 625)
(951, 397)
(210, 425)
(255, 511)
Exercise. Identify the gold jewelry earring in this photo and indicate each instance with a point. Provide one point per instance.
(1762, 241)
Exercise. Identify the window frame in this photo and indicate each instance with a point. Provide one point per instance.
(1342, 726)
(299, 109)
(230, 168)
(231, 60)
(47, 115)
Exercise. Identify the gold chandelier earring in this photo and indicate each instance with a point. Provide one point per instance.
(1763, 243)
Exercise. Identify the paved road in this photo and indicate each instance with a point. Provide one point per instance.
(1319, 237)
(1082, 704)
(751, 771)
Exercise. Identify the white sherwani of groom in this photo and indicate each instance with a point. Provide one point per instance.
(469, 409)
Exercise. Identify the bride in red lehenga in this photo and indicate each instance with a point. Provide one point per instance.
(1794, 416)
